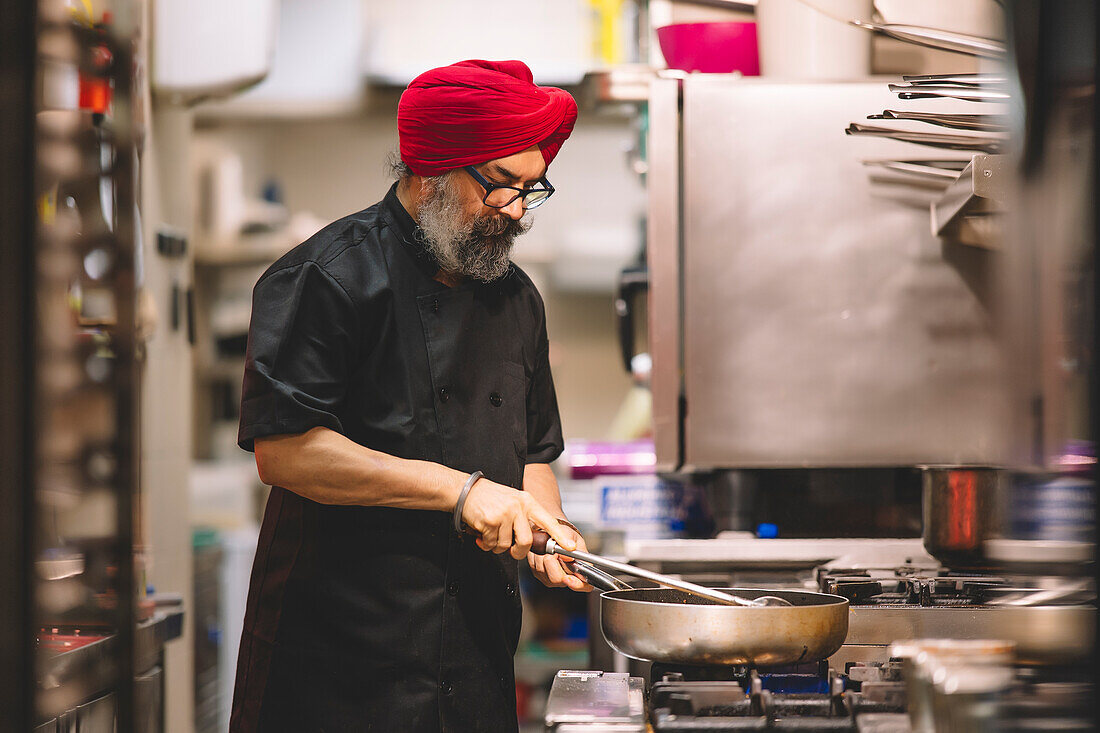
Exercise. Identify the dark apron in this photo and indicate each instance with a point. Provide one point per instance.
(381, 619)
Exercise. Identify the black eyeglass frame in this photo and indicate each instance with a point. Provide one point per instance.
(520, 192)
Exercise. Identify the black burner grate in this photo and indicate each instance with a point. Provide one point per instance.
(911, 587)
(686, 700)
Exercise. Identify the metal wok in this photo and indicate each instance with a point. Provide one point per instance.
(668, 625)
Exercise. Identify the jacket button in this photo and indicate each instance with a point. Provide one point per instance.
(452, 589)
(496, 399)
(435, 305)
(444, 395)
(446, 688)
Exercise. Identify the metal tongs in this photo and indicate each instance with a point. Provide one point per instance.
(941, 172)
(544, 544)
(984, 144)
(973, 123)
(936, 38)
(950, 91)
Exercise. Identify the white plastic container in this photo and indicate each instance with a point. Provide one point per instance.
(811, 39)
(211, 48)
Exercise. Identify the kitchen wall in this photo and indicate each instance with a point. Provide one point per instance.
(333, 166)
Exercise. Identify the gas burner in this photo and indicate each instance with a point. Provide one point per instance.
(908, 586)
(793, 678)
(679, 705)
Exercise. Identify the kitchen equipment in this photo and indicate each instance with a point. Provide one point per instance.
(940, 173)
(889, 604)
(809, 40)
(925, 660)
(936, 38)
(712, 48)
(787, 357)
(592, 700)
(975, 79)
(633, 281)
(669, 625)
(976, 123)
(598, 578)
(960, 512)
(866, 697)
(184, 70)
(954, 91)
(543, 544)
(921, 184)
(895, 592)
(966, 212)
(936, 140)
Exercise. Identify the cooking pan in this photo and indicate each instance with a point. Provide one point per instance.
(668, 625)
(678, 626)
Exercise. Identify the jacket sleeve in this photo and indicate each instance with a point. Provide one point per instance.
(544, 434)
(302, 339)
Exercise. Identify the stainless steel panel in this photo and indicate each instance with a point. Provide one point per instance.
(750, 552)
(98, 716)
(1042, 634)
(822, 326)
(1048, 287)
(663, 251)
(592, 700)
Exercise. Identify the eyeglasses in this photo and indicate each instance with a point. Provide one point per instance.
(498, 197)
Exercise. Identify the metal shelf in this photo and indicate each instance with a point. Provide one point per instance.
(968, 212)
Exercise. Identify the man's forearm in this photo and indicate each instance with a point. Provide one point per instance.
(326, 467)
(540, 482)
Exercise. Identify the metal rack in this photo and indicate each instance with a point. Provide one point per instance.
(965, 212)
(72, 371)
(963, 205)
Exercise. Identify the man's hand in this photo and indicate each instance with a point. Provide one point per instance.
(503, 517)
(553, 570)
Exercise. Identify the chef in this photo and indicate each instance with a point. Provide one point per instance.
(398, 397)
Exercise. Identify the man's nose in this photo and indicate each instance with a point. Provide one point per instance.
(515, 210)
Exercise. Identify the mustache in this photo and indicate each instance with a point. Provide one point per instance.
(497, 225)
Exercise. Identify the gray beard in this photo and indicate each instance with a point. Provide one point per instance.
(479, 248)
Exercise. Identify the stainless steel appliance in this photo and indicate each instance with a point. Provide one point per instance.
(800, 318)
(868, 698)
(1051, 620)
(81, 646)
(796, 320)
(1047, 621)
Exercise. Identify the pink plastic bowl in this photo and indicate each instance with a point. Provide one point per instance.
(713, 48)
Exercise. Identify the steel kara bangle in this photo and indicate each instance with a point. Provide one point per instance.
(462, 498)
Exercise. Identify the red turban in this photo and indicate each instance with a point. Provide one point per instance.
(474, 111)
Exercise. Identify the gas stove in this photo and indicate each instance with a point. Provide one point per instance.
(809, 697)
(940, 587)
(805, 698)
(1051, 620)
(868, 698)
(893, 596)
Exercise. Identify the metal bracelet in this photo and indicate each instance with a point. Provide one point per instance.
(462, 499)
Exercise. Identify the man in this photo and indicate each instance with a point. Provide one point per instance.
(398, 398)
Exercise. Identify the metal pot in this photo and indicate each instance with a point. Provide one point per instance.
(960, 513)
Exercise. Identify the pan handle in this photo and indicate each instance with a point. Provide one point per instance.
(598, 578)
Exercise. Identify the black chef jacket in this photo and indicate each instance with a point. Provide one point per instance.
(376, 618)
